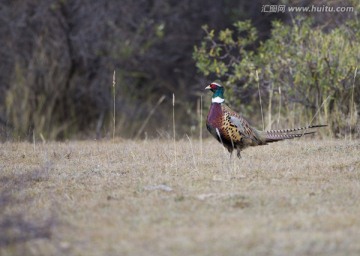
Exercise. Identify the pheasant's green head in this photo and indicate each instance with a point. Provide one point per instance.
(218, 90)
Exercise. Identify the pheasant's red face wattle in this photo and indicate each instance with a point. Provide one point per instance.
(213, 86)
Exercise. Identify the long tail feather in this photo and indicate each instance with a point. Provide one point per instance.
(286, 134)
(295, 129)
(277, 137)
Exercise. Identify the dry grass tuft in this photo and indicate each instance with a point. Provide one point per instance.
(129, 198)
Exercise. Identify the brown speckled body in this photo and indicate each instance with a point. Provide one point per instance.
(219, 118)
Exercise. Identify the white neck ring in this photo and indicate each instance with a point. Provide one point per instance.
(217, 100)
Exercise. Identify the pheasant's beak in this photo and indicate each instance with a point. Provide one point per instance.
(208, 87)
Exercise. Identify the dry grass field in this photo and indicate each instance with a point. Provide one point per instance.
(298, 197)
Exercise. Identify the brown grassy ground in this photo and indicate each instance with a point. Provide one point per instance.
(103, 198)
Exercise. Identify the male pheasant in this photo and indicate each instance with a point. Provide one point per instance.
(234, 132)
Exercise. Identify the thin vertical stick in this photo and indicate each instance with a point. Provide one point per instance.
(278, 120)
(270, 106)
(201, 121)
(34, 142)
(262, 115)
(352, 108)
(114, 119)
(173, 103)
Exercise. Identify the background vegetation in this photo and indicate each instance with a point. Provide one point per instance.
(58, 58)
(301, 72)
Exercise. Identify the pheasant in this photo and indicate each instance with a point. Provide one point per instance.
(234, 132)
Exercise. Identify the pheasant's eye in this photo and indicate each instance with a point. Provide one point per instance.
(213, 86)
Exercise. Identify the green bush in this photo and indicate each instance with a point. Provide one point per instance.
(303, 74)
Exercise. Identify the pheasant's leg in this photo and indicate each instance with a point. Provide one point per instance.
(237, 173)
(231, 153)
(238, 153)
(227, 163)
